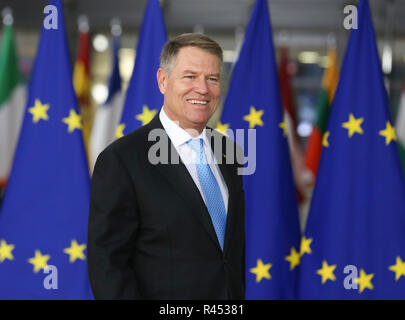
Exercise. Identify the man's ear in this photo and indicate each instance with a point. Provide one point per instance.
(162, 80)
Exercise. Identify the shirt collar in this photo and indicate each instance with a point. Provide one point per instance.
(178, 135)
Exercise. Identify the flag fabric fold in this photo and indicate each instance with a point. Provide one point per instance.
(400, 126)
(43, 219)
(108, 115)
(143, 98)
(272, 226)
(356, 221)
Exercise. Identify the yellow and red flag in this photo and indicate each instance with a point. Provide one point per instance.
(81, 78)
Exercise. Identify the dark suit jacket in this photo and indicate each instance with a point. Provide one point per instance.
(150, 234)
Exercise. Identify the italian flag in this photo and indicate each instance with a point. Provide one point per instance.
(329, 83)
(400, 127)
(12, 102)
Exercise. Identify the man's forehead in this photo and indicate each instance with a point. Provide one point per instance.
(191, 55)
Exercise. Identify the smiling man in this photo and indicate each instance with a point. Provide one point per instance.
(170, 230)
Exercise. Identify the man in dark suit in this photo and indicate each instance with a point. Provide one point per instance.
(172, 228)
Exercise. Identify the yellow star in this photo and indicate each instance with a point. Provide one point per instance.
(222, 127)
(119, 132)
(283, 125)
(39, 111)
(146, 116)
(326, 272)
(325, 138)
(364, 281)
(294, 258)
(5, 251)
(261, 270)
(75, 251)
(305, 246)
(254, 117)
(39, 261)
(388, 133)
(74, 121)
(398, 268)
(353, 125)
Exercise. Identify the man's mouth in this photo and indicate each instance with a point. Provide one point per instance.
(201, 102)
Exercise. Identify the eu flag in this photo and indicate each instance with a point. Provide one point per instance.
(356, 221)
(43, 220)
(272, 226)
(143, 99)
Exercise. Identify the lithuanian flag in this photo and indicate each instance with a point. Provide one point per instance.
(317, 138)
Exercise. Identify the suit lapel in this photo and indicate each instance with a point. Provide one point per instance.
(180, 179)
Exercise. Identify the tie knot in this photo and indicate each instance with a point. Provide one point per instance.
(196, 145)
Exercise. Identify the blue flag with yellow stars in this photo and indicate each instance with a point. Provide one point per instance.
(43, 219)
(143, 98)
(356, 222)
(272, 226)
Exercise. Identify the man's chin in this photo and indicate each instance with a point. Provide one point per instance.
(195, 125)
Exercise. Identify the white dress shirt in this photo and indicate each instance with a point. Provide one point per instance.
(179, 138)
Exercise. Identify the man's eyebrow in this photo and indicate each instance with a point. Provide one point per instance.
(194, 72)
(189, 71)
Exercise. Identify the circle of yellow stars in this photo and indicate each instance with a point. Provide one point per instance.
(145, 117)
(326, 272)
(254, 118)
(40, 112)
(40, 261)
(261, 270)
(364, 280)
(354, 125)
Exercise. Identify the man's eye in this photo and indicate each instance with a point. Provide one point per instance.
(189, 77)
(213, 79)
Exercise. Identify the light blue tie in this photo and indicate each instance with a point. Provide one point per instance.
(211, 191)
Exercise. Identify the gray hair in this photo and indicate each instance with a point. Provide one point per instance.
(172, 48)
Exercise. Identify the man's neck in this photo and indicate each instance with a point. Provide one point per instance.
(193, 130)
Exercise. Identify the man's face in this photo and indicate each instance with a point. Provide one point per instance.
(192, 89)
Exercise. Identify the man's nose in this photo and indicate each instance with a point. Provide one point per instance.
(201, 85)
